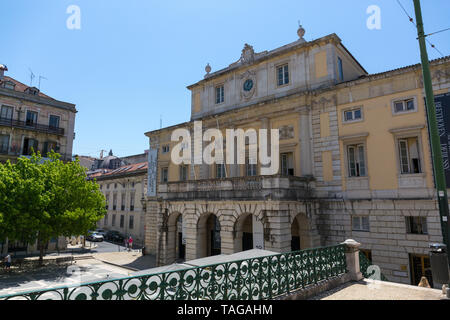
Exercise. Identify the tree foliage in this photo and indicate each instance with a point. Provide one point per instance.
(41, 200)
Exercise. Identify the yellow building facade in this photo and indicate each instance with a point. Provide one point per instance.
(354, 159)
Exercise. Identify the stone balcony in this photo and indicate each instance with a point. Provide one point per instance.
(242, 188)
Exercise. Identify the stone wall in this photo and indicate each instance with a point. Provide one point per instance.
(388, 240)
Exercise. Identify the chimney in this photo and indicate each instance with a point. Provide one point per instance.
(3, 68)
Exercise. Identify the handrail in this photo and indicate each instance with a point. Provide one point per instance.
(248, 279)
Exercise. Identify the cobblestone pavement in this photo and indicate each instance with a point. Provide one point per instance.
(379, 290)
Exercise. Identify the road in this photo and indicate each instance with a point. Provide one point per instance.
(82, 271)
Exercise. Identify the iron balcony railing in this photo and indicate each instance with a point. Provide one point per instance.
(31, 126)
(251, 279)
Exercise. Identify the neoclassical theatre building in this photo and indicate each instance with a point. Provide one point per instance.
(354, 157)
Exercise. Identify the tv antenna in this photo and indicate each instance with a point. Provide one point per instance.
(31, 77)
(41, 77)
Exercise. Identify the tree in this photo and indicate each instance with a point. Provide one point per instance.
(41, 200)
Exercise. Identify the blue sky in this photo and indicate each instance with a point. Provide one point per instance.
(131, 60)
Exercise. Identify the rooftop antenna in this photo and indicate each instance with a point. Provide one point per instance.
(31, 77)
(41, 77)
(160, 121)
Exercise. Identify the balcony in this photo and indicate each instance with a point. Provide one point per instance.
(31, 126)
(242, 188)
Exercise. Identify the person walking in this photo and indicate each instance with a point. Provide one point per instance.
(8, 262)
(130, 243)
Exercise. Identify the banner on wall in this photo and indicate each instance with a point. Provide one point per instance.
(442, 103)
(152, 171)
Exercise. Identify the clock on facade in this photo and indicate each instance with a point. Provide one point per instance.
(248, 85)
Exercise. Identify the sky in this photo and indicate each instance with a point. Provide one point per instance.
(129, 63)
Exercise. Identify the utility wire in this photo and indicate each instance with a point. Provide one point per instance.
(412, 21)
(430, 34)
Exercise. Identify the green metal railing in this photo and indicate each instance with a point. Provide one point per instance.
(251, 279)
(364, 264)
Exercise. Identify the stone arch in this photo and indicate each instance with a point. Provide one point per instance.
(208, 229)
(174, 249)
(248, 232)
(300, 232)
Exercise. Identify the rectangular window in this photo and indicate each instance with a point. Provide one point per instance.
(220, 94)
(220, 171)
(132, 195)
(183, 173)
(408, 150)
(31, 118)
(105, 223)
(131, 222)
(107, 201)
(283, 75)
(114, 201)
(250, 169)
(352, 115)
(122, 220)
(340, 69)
(404, 105)
(29, 146)
(4, 143)
(122, 207)
(54, 121)
(6, 113)
(113, 223)
(49, 146)
(360, 223)
(416, 225)
(356, 161)
(164, 174)
(287, 164)
(165, 148)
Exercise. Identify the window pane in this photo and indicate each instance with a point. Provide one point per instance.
(357, 114)
(365, 223)
(6, 112)
(351, 161)
(286, 74)
(362, 163)
(4, 144)
(410, 105)
(398, 106)
(348, 115)
(54, 122)
(280, 76)
(356, 223)
(403, 149)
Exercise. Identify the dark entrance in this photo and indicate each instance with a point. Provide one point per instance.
(420, 266)
(181, 247)
(247, 241)
(295, 243)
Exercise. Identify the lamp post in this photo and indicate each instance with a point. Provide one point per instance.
(438, 166)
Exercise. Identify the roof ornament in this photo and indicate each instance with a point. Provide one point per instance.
(301, 32)
(207, 69)
(248, 54)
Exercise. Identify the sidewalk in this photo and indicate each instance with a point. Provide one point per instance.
(133, 260)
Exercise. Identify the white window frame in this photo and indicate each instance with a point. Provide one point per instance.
(221, 99)
(7, 106)
(360, 227)
(165, 148)
(404, 101)
(352, 110)
(357, 160)
(408, 155)
(282, 66)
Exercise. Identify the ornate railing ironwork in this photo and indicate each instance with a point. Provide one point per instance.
(251, 279)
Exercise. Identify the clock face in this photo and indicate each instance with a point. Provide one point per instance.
(248, 85)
